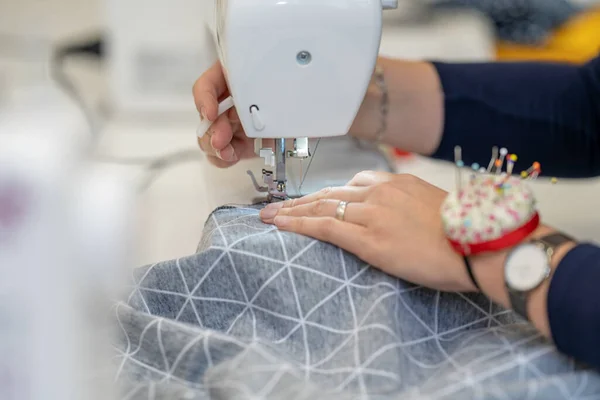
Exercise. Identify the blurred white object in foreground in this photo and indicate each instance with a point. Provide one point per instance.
(63, 243)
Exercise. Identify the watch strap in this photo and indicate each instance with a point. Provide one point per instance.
(555, 240)
(518, 302)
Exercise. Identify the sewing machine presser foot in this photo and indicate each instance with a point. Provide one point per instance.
(276, 191)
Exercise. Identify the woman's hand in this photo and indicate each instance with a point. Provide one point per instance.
(225, 143)
(391, 222)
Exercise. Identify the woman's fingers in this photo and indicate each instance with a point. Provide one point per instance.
(221, 134)
(355, 213)
(345, 193)
(218, 140)
(347, 236)
(208, 89)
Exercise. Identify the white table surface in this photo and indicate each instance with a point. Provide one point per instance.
(175, 207)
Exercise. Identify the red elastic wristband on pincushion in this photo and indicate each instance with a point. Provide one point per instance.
(509, 240)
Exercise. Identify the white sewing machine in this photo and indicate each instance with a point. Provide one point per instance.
(296, 70)
(158, 53)
(63, 244)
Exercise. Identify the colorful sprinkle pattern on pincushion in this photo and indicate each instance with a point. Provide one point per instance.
(487, 208)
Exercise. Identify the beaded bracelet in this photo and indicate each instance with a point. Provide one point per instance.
(384, 107)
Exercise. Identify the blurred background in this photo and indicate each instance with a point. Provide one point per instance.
(133, 63)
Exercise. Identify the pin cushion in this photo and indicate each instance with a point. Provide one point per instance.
(489, 213)
(492, 210)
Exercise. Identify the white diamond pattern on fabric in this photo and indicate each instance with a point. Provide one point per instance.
(257, 313)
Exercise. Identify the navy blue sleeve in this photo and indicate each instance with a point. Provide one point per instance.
(542, 112)
(574, 305)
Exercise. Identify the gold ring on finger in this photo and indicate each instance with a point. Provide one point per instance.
(340, 212)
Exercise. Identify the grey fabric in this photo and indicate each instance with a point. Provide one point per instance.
(259, 313)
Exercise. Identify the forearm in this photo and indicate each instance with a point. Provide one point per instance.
(543, 112)
(415, 120)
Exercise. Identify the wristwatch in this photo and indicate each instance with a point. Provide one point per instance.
(528, 266)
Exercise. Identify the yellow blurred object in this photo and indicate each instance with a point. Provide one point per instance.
(575, 42)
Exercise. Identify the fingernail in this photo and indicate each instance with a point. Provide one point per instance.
(282, 221)
(202, 113)
(227, 154)
(268, 213)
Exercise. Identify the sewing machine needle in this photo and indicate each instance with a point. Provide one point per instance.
(280, 159)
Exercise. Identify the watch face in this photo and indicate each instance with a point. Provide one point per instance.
(526, 268)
